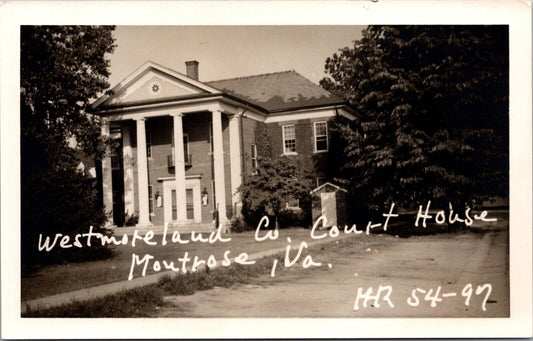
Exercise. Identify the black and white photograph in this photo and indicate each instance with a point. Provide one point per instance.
(249, 175)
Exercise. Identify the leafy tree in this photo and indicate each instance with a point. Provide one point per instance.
(266, 193)
(62, 69)
(433, 117)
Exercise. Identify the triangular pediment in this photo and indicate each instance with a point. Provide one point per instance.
(327, 187)
(153, 82)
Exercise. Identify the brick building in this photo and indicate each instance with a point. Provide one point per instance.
(183, 146)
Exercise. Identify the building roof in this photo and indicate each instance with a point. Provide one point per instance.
(278, 91)
(268, 93)
(328, 185)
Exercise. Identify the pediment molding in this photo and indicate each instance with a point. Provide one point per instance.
(153, 81)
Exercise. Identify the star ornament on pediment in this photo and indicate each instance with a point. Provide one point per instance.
(155, 88)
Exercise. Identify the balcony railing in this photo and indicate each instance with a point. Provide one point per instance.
(171, 163)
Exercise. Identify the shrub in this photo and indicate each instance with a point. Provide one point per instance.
(131, 219)
(238, 225)
(289, 218)
(276, 182)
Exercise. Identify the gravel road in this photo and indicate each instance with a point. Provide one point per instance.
(459, 268)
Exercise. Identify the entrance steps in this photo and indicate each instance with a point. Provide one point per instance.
(159, 229)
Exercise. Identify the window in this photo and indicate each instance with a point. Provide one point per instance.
(116, 153)
(289, 139)
(186, 156)
(186, 148)
(293, 204)
(189, 203)
(174, 205)
(321, 136)
(150, 199)
(148, 142)
(253, 154)
(213, 202)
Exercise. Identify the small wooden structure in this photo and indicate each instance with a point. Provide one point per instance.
(329, 200)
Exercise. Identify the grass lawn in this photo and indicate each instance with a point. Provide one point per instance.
(55, 279)
(146, 300)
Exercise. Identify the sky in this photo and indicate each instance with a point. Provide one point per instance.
(230, 51)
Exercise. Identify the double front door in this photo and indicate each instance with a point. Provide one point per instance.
(193, 201)
(189, 203)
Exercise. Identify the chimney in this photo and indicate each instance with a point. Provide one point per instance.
(192, 69)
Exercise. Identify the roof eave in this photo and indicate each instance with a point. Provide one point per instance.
(343, 105)
(171, 101)
(306, 107)
(154, 101)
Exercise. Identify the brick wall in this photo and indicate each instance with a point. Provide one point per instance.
(305, 144)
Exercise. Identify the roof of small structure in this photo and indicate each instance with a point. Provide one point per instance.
(337, 188)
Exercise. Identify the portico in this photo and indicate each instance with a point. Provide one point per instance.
(220, 178)
(207, 148)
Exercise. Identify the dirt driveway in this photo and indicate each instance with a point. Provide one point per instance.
(406, 268)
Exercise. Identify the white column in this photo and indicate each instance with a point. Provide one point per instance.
(218, 160)
(235, 161)
(107, 178)
(142, 170)
(179, 168)
(127, 155)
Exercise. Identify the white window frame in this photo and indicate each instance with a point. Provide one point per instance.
(285, 152)
(317, 136)
(211, 139)
(148, 142)
(186, 146)
(172, 142)
(186, 143)
(151, 202)
(253, 157)
(293, 208)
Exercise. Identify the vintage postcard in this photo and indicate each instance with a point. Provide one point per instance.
(265, 169)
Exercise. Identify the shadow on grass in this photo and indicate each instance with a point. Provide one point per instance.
(138, 302)
(144, 301)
